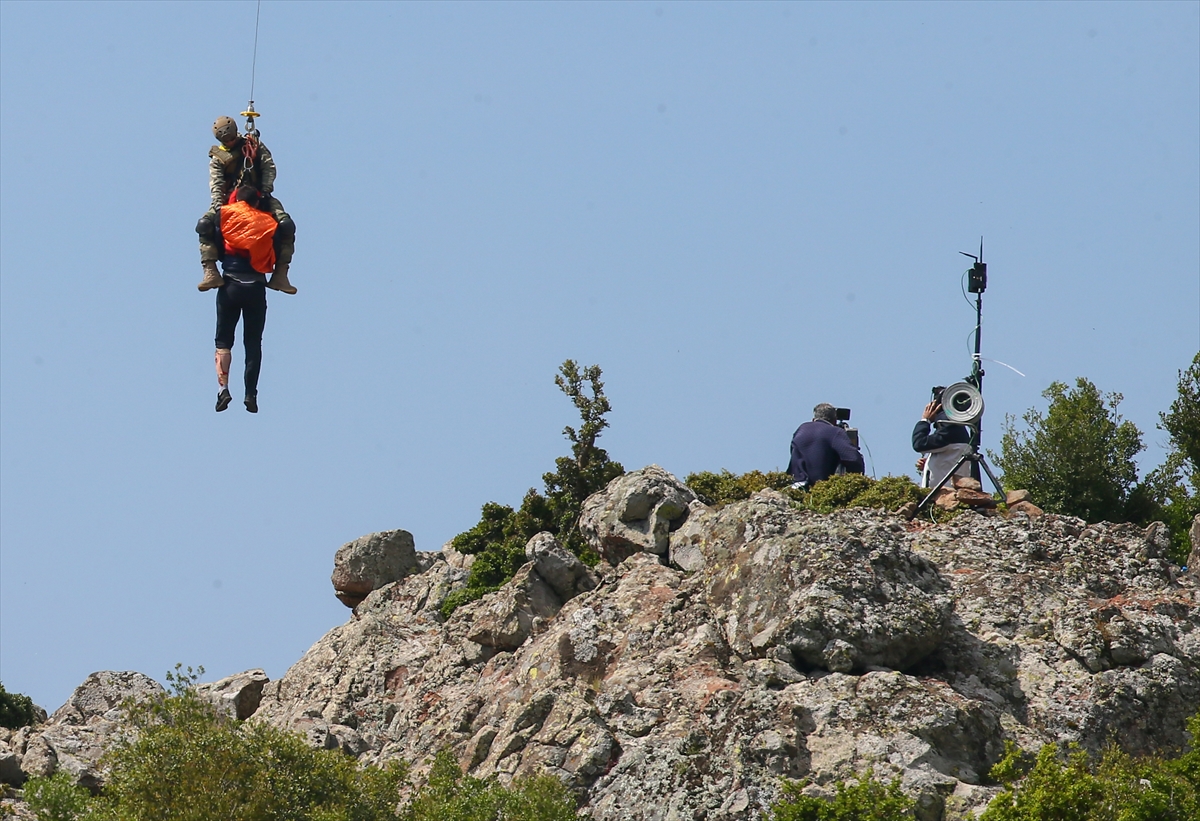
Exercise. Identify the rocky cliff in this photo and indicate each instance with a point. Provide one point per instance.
(716, 651)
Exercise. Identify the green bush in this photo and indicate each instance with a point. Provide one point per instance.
(56, 798)
(450, 795)
(865, 800)
(1171, 492)
(889, 493)
(498, 540)
(836, 492)
(725, 487)
(498, 544)
(185, 761)
(1116, 787)
(1076, 459)
(16, 710)
(839, 491)
(1182, 421)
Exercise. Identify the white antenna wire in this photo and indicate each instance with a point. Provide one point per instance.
(1005, 364)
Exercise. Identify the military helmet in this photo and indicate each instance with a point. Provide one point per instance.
(225, 129)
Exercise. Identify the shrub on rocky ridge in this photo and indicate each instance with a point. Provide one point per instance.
(498, 540)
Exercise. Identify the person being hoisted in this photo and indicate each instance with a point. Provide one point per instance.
(242, 160)
(246, 236)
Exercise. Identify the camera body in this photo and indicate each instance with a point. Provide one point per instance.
(843, 422)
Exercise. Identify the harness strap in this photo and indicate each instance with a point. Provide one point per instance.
(249, 152)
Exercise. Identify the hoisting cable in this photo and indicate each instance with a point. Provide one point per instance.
(254, 59)
(250, 146)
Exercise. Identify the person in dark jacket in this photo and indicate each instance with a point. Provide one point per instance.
(941, 443)
(246, 236)
(819, 447)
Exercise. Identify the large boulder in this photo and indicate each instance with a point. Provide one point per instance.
(504, 620)
(370, 562)
(915, 728)
(635, 513)
(10, 762)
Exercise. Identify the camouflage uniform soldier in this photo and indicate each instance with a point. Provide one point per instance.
(226, 171)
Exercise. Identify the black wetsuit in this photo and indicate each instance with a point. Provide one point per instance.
(244, 294)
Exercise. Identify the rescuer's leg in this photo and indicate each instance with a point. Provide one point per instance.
(285, 235)
(285, 247)
(212, 277)
(210, 252)
(279, 279)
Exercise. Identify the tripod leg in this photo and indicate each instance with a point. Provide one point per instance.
(992, 476)
(966, 457)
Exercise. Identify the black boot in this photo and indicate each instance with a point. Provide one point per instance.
(223, 399)
(252, 403)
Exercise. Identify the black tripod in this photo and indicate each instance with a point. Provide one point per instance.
(977, 461)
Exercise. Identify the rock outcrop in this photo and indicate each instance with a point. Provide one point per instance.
(78, 733)
(718, 651)
(764, 642)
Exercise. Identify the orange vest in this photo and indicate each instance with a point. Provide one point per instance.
(246, 230)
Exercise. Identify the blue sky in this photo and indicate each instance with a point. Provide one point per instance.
(737, 210)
